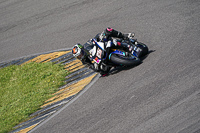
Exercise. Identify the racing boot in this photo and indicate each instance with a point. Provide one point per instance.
(104, 70)
(128, 36)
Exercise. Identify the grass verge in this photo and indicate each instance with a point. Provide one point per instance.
(23, 89)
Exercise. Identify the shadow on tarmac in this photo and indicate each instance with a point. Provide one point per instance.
(120, 68)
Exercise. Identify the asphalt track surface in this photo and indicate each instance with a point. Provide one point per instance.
(160, 95)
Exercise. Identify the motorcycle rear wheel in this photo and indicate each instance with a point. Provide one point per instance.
(125, 60)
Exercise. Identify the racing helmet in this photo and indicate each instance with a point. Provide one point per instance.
(78, 51)
(105, 34)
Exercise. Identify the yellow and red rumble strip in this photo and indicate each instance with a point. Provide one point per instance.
(79, 78)
(48, 57)
(69, 90)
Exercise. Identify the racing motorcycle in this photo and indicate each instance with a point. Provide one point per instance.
(120, 57)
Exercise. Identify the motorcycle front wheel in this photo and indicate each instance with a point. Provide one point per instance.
(144, 48)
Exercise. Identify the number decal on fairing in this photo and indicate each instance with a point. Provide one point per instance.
(138, 49)
(99, 52)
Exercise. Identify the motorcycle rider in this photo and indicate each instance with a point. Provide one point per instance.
(84, 53)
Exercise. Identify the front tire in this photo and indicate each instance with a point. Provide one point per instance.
(144, 48)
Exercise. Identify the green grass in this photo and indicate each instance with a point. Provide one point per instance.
(23, 89)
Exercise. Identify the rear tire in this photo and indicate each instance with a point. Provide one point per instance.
(124, 60)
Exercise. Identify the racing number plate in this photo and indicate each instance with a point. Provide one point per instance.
(137, 51)
(99, 53)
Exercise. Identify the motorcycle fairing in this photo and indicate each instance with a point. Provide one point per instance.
(137, 51)
(98, 51)
(99, 44)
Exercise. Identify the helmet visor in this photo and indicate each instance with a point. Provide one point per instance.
(81, 56)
